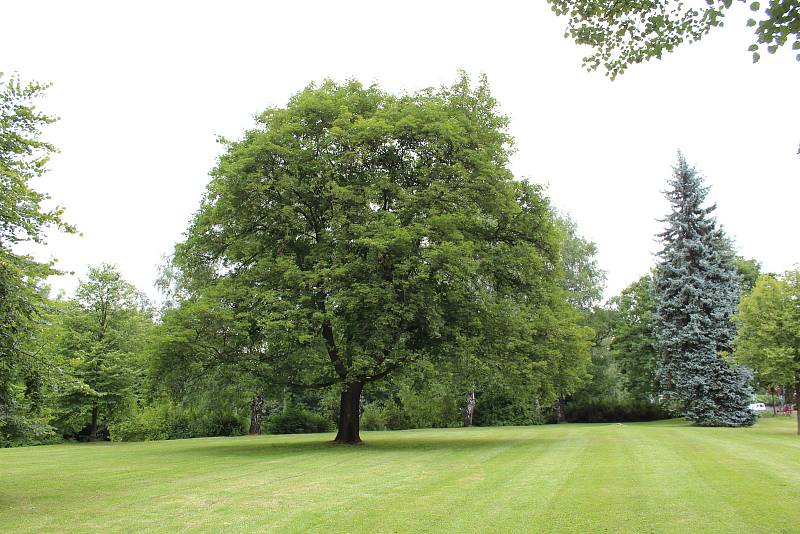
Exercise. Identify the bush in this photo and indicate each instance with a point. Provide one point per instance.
(614, 411)
(164, 420)
(226, 424)
(296, 420)
(149, 423)
(498, 408)
(430, 409)
(374, 417)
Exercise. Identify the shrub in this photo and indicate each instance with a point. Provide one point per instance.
(614, 411)
(165, 420)
(226, 424)
(296, 420)
(149, 423)
(374, 417)
(498, 408)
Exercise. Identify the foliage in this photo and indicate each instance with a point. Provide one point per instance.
(625, 33)
(749, 271)
(583, 279)
(153, 422)
(610, 410)
(769, 329)
(374, 417)
(634, 344)
(203, 343)
(584, 366)
(605, 378)
(23, 158)
(506, 406)
(567, 350)
(419, 397)
(354, 233)
(697, 291)
(297, 420)
(163, 418)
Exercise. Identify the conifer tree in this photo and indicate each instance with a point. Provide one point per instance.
(697, 291)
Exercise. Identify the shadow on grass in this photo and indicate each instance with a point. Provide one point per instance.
(324, 446)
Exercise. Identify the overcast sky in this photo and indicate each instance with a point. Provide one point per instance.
(144, 88)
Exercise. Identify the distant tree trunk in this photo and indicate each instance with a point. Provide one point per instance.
(93, 424)
(772, 390)
(256, 413)
(560, 416)
(349, 413)
(469, 410)
(796, 410)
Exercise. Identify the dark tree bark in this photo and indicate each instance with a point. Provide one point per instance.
(93, 424)
(469, 409)
(256, 414)
(560, 415)
(349, 414)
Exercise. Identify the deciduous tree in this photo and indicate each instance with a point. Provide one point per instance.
(104, 333)
(357, 233)
(769, 330)
(23, 157)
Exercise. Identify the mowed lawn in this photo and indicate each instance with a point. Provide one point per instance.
(644, 477)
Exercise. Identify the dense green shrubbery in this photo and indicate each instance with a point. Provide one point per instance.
(172, 421)
(614, 411)
(297, 420)
(374, 417)
(412, 409)
(497, 408)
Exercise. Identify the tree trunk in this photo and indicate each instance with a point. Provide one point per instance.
(560, 416)
(772, 390)
(93, 424)
(349, 413)
(796, 410)
(256, 413)
(469, 410)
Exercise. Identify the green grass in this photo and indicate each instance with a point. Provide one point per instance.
(645, 477)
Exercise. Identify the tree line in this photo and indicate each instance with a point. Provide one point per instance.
(367, 260)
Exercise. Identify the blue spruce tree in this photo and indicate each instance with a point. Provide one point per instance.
(697, 291)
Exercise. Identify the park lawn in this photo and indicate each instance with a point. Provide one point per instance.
(643, 477)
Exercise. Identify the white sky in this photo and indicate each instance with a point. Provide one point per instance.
(143, 90)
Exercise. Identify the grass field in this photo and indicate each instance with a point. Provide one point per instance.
(644, 477)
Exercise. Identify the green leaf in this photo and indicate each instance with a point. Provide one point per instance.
(772, 49)
(755, 6)
(753, 47)
(756, 57)
(751, 22)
